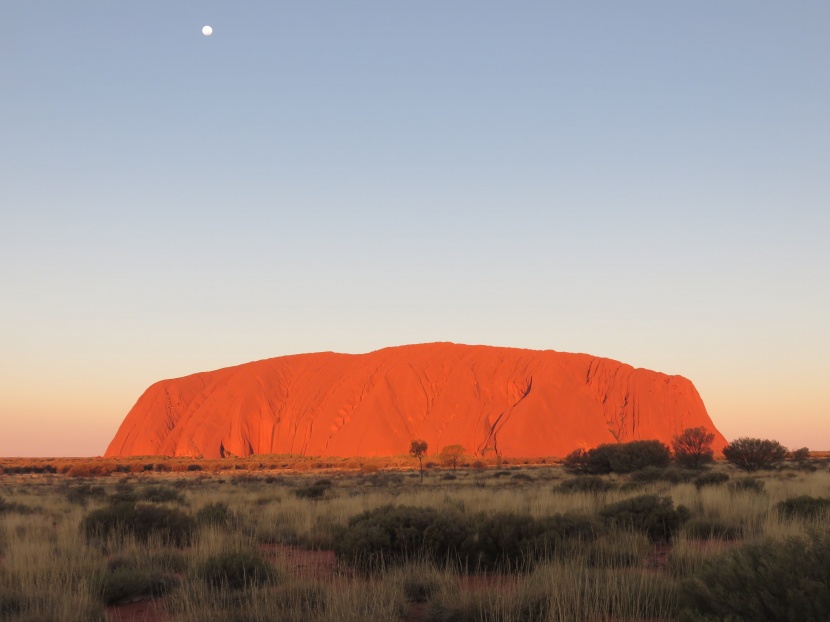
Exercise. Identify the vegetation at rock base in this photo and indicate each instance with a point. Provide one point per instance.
(499, 540)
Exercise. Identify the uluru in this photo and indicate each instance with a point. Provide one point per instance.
(506, 401)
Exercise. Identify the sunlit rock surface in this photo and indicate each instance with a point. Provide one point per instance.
(507, 401)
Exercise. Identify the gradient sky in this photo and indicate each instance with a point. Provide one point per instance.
(646, 181)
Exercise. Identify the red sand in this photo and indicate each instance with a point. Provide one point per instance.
(509, 401)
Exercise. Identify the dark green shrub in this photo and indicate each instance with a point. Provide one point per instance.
(512, 542)
(449, 476)
(712, 478)
(193, 467)
(747, 484)
(217, 513)
(773, 581)
(801, 454)
(712, 529)
(804, 506)
(670, 474)
(393, 534)
(141, 521)
(655, 516)
(235, 570)
(585, 483)
(752, 454)
(618, 458)
(317, 490)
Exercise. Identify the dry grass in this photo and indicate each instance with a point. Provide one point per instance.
(49, 571)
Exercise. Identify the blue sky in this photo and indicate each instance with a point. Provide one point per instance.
(646, 181)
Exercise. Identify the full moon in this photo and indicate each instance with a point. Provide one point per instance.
(207, 31)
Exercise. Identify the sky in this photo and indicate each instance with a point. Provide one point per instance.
(644, 181)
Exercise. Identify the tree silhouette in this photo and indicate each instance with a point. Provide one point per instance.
(693, 447)
(451, 455)
(418, 449)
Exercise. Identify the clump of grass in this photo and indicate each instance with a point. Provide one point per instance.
(747, 484)
(317, 490)
(141, 522)
(216, 513)
(702, 528)
(235, 570)
(712, 478)
(804, 507)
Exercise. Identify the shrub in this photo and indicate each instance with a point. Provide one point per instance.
(618, 458)
(747, 484)
(141, 521)
(235, 570)
(801, 454)
(804, 506)
(713, 478)
(217, 513)
(752, 454)
(317, 490)
(512, 542)
(585, 483)
(193, 467)
(693, 447)
(655, 516)
(773, 580)
(392, 534)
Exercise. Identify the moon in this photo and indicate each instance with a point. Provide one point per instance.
(207, 31)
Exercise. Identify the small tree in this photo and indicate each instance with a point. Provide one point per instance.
(693, 447)
(417, 449)
(802, 454)
(451, 455)
(751, 454)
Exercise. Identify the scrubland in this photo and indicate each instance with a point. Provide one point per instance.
(493, 543)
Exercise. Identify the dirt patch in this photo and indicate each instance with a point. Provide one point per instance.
(151, 610)
(302, 563)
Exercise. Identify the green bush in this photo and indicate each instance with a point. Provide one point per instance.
(804, 506)
(747, 484)
(655, 516)
(618, 458)
(787, 581)
(141, 521)
(752, 454)
(712, 478)
(391, 534)
(235, 570)
(585, 483)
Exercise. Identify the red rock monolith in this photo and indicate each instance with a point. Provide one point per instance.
(506, 401)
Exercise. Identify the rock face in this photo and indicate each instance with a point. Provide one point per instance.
(517, 403)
